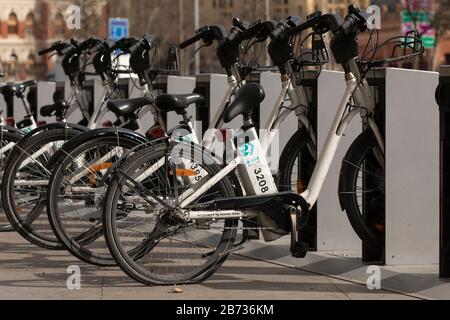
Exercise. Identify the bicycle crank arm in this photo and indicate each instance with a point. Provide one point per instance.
(277, 207)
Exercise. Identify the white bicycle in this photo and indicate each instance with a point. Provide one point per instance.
(163, 229)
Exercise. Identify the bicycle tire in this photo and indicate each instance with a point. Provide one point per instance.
(361, 153)
(28, 224)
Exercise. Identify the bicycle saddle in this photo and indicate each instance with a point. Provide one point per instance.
(123, 107)
(177, 102)
(247, 98)
(56, 109)
(16, 88)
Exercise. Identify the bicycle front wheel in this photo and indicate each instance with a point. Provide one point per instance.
(362, 189)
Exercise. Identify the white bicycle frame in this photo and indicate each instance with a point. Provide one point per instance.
(355, 87)
(299, 103)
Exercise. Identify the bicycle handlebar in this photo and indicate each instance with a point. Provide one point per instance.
(354, 22)
(57, 46)
(208, 34)
(147, 42)
(259, 29)
(123, 44)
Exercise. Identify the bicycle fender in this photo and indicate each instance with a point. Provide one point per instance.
(12, 130)
(55, 125)
(93, 134)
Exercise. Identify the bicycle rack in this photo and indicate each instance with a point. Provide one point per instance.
(443, 100)
(377, 80)
(412, 168)
(334, 232)
(213, 88)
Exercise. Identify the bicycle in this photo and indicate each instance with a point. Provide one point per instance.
(91, 251)
(27, 173)
(155, 237)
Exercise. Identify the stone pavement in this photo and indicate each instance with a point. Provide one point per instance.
(29, 272)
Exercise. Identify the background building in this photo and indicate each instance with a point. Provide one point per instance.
(29, 25)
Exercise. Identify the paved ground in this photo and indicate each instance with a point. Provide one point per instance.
(28, 272)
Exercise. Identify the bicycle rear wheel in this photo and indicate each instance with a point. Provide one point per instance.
(148, 241)
(25, 182)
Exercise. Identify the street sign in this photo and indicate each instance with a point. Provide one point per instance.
(417, 5)
(118, 28)
(423, 24)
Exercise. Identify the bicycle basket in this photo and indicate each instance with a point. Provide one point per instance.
(401, 48)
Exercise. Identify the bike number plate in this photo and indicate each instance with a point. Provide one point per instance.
(254, 169)
(196, 172)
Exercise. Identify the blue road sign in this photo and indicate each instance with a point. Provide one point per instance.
(118, 28)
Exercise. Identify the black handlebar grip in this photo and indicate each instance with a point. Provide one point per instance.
(133, 48)
(239, 24)
(348, 24)
(190, 41)
(66, 50)
(45, 51)
(234, 35)
(279, 30)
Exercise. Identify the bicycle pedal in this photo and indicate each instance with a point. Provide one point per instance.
(299, 249)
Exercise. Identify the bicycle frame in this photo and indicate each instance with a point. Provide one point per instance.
(298, 98)
(116, 152)
(357, 88)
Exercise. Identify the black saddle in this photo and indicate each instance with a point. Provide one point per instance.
(246, 99)
(177, 102)
(57, 109)
(124, 107)
(17, 88)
